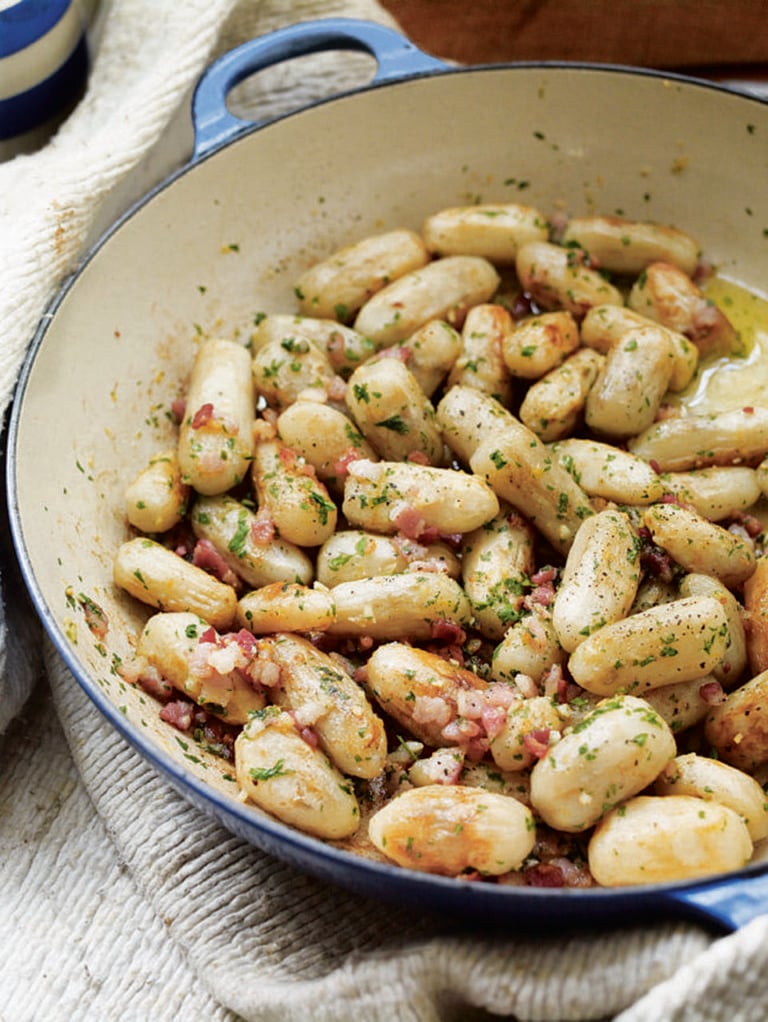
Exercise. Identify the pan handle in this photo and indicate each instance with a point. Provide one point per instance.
(728, 903)
(395, 56)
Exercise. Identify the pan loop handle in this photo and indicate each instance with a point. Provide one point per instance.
(396, 57)
(728, 903)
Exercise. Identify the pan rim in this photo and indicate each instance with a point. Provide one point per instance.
(475, 899)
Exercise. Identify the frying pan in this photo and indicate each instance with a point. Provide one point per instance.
(226, 237)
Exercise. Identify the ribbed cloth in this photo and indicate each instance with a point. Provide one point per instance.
(117, 899)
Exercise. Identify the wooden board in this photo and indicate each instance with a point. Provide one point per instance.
(671, 34)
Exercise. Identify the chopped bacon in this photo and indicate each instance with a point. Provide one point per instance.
(182, 541)
(522, 307)
(706, 317)
(309, 736)
(502, 695)
(336, 348)
(341, 464)
(200, 663)
(526, 685)
(544, 874)
(413, 526)
(559, 871)
(675, 498)
(476, 748)
(543, 595)
(448, 632)
(574, 875)
(95, 618)
(461, 731)
(217, 657)
(752, 525)
(293, 462)
(429, 534)
(401, 352)
(534, 626)
(553, 682)
(544, 575)
(264, 672)
(493, 720)
(562, 688)
(657, 563)
(270, 417)
(179, 713)
(653, 559)
(712, 693)
(470, 703)
(454, 654)
(418, 458)
(154, 684)
(666, 412)
(431, 710)
(516, 520)
(178, 408)
(246, 640)
(410, 522)
(336, 388)
(543, 592)
(262, 530)
(202, 416)
(537, 742)
(206, 556)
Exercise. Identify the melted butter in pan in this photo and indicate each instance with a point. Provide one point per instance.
(725, 383)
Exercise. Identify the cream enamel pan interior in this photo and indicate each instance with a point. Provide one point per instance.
(227, 237)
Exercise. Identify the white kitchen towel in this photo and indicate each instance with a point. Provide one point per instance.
(148, 56)
(118, 900)
(131, 127)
